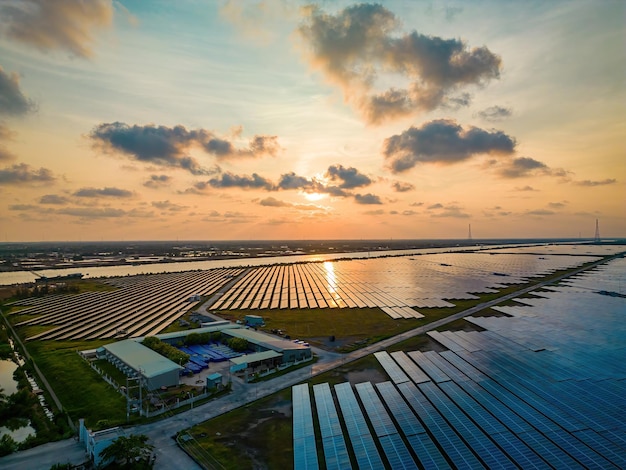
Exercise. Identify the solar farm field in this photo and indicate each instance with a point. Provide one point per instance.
(541, 388)
(398, 286)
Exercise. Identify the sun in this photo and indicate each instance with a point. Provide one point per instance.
(314, 196)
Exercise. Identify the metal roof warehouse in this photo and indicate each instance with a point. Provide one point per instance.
(130, 356)
(262, 342)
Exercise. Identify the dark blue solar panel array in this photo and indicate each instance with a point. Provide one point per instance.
(416, 374)
(335, 450)
(363, 444)
(426, 450)
(544, 388)
(304, 450)
(458, 452)
(391, 367)
(394, 448)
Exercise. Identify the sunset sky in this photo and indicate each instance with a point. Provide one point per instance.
(206, 120)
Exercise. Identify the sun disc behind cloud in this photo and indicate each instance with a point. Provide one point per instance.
(314, 196)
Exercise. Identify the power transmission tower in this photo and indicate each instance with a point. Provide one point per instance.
(469, 232)
(597, 236)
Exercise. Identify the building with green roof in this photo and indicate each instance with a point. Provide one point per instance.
(133, 358)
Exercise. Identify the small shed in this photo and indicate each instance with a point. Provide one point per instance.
(214, 380)
(254, 320)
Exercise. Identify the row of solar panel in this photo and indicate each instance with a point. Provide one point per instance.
(516, 404)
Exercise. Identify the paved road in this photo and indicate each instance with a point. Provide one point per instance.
(161, 433)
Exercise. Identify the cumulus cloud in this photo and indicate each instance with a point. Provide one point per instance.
(13, 102)
(58, 24)
(495, 113)
(292, 181)
(591, 183)
(158, 181)
(22, 173)
(540, 212)
(87, 213)
(360, 44)
(230, 180)
(402, 187)
(259, 145)
(450, 211)
(92, 212)
(168, 206)
(169, 146)
(103, 192)
(375, 212)
(349, 177)
(367, 199)
(22, 207)
(6, 155)
(443, 141)
(53, 199)
(5, 135)
(273, 202)
(525, 166)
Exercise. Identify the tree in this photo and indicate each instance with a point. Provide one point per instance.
(62, 466)
(129, 452)
(7, 445)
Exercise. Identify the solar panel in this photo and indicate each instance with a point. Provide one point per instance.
(617, 436)
(416, 374)
(445, 366)
(431, 369)
(548, 409)
(495, 407)
(336, 453)
(397, 453)
(580, 410)
(393, 370)
(363, 445)
(445, 341)
(611, 451)
(380, 419)
(579, 451)
(523, 409)
(304, 450)
(551, 453)
(519, 451)
(427, 452)
(461, 341)
(474, 436)
(445, 436)
(335, 450)
(326, 412)
(466, 368)
(473, 409)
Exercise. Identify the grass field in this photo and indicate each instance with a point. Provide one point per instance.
(80, 389)
(258, 435)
